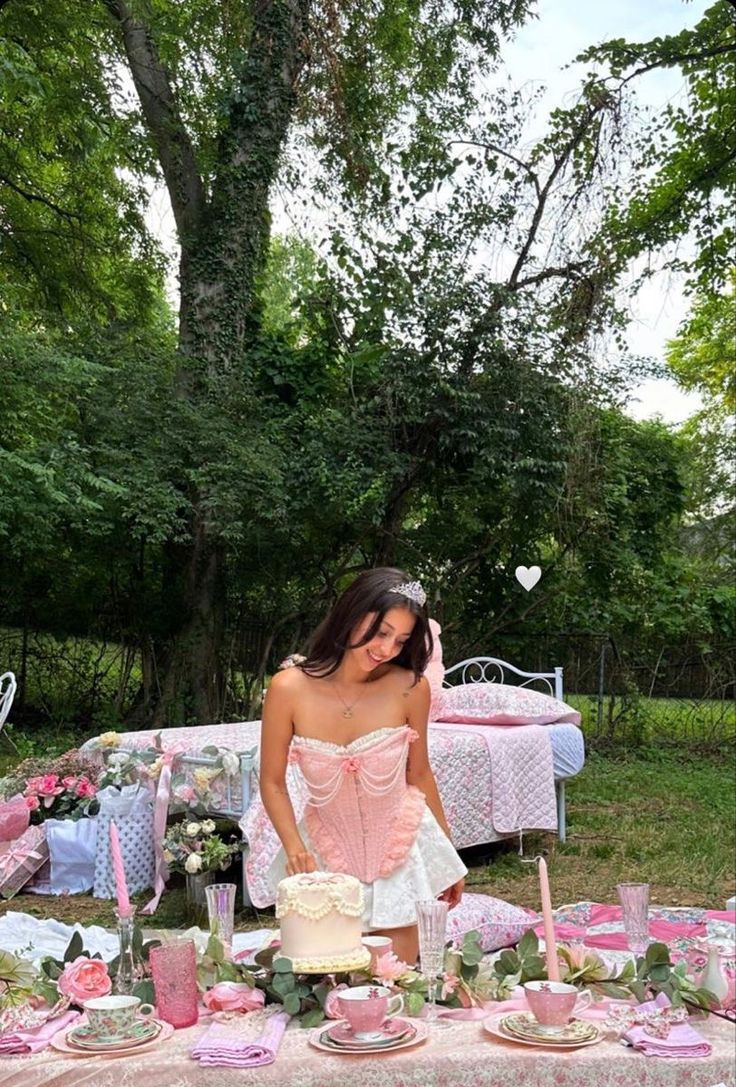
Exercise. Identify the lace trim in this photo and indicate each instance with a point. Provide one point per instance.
(333, 964)
(354, 745)
(404, 830)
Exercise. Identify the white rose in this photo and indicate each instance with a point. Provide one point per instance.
(193, 863)
(230, 762)
(118, 759)
(208, 826)
(192, 830)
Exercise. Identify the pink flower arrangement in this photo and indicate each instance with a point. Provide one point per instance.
(54, 797)
(84, 979)
(450, 983)
(389, 968)
(233, 996)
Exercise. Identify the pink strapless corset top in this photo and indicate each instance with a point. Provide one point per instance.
(361, 815)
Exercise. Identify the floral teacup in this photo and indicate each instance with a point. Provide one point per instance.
(553, 1003)
(115, 1016)
(366, 1008)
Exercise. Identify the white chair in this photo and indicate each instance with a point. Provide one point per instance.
(8, 687)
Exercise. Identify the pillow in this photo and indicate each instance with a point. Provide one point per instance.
(499, 923)
(502, 704)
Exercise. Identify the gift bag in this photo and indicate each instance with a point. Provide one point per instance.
(72, 846)
(15, 815)
(20, 859)
(132, 809)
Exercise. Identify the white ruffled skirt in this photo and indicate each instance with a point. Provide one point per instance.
(432, 865)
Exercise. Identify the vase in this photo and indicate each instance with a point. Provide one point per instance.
(197, 885)
(713, 978)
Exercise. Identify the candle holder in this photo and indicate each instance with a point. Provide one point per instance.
(130, 967)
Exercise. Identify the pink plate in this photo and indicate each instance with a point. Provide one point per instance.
(421, 1033)
(59, 1042)
(494, 1026)
(391, 1030)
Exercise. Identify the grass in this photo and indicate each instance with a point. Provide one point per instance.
(652, 817)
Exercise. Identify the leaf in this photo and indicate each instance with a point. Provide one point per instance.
(292, 1004)
(413, 1003)
(16, 971)
(312, 1018)
(215, 950)
(145, 991)
(528, 944)
(282, 966)
(284, 983)
(74, 949)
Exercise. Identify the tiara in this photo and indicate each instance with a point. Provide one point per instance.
(413, 590)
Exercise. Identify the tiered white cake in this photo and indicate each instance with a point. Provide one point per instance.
(320, 917)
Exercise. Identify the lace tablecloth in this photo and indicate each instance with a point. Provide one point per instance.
(464, 1056)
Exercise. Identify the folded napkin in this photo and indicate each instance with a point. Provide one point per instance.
(223, 1043)
(679, 1041)
(36, 1038)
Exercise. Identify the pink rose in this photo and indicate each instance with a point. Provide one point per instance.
(388, 968)
(332, 1009)
(84, 979)
(185, 793)
(32, 802)
(85, 788)
(233, 996)
(69, 782)
(450, 983)
(32, 786)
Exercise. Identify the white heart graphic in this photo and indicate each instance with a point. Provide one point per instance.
(528, 577)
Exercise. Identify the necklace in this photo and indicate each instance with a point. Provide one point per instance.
(348, 706)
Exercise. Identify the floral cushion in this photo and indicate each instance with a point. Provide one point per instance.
(502, 704)
(499, 923)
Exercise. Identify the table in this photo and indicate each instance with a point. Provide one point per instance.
(464, 1056)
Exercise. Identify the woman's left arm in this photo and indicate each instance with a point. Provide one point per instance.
(419, 771)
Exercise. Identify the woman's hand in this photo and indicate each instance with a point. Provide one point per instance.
(302, 861)
(452, 895)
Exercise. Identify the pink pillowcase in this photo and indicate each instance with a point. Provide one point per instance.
(499, 923)
(501, 704)
(435, 670)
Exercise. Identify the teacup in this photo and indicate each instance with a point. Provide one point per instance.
(115, 1015)
(553, 1003)
(367, 1007)
(377, 945)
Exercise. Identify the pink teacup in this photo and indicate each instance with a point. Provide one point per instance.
(377, 945)
(553, 1003)
(366, 1008)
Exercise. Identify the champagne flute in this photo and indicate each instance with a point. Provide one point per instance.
(431, 924)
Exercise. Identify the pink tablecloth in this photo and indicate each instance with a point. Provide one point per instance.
(464, 1056)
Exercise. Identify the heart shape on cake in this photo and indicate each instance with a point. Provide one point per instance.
(528, 576)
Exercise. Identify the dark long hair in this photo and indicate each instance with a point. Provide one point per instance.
(370, 592)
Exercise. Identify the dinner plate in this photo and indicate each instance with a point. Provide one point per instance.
(342, 1035)
(494, 1026)
(60, 1043)
(420, 1034)
(86, 1037)
(524, 1025)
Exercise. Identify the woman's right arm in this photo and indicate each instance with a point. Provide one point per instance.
(276, 733)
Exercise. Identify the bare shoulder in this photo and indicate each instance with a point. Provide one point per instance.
(409, 686)
(286, 684)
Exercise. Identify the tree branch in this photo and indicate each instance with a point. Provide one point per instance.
(160, 110)
(38, 197)
(500, 151)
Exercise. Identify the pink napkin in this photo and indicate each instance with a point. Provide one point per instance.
(33, 1041)
(682, 1040)
(220, 1045)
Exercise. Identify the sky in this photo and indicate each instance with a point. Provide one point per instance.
(539, 54)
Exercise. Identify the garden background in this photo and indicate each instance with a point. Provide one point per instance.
(430, 366)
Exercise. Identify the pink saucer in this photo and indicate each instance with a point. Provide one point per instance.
(391, 1030)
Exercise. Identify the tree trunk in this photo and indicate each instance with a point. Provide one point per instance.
(224, 240)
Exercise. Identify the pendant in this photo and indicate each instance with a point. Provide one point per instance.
(347, 713)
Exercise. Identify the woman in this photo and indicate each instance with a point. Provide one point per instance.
(354, 715)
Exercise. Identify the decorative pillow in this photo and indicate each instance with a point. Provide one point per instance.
(499, 923)
(502, 704)
(435, 670)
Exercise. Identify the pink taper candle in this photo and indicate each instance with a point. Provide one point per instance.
(550, 944)
(121, 886)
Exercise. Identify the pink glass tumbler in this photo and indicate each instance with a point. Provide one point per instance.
(174, 972)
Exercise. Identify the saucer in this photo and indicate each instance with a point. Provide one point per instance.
(524, 1025)
(60, 1043)
(393, 1030)
(495, 1026)
(86, 1037)
(419, 1033)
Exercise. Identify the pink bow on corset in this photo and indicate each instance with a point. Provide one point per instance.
(160, 814)
(351, 765)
